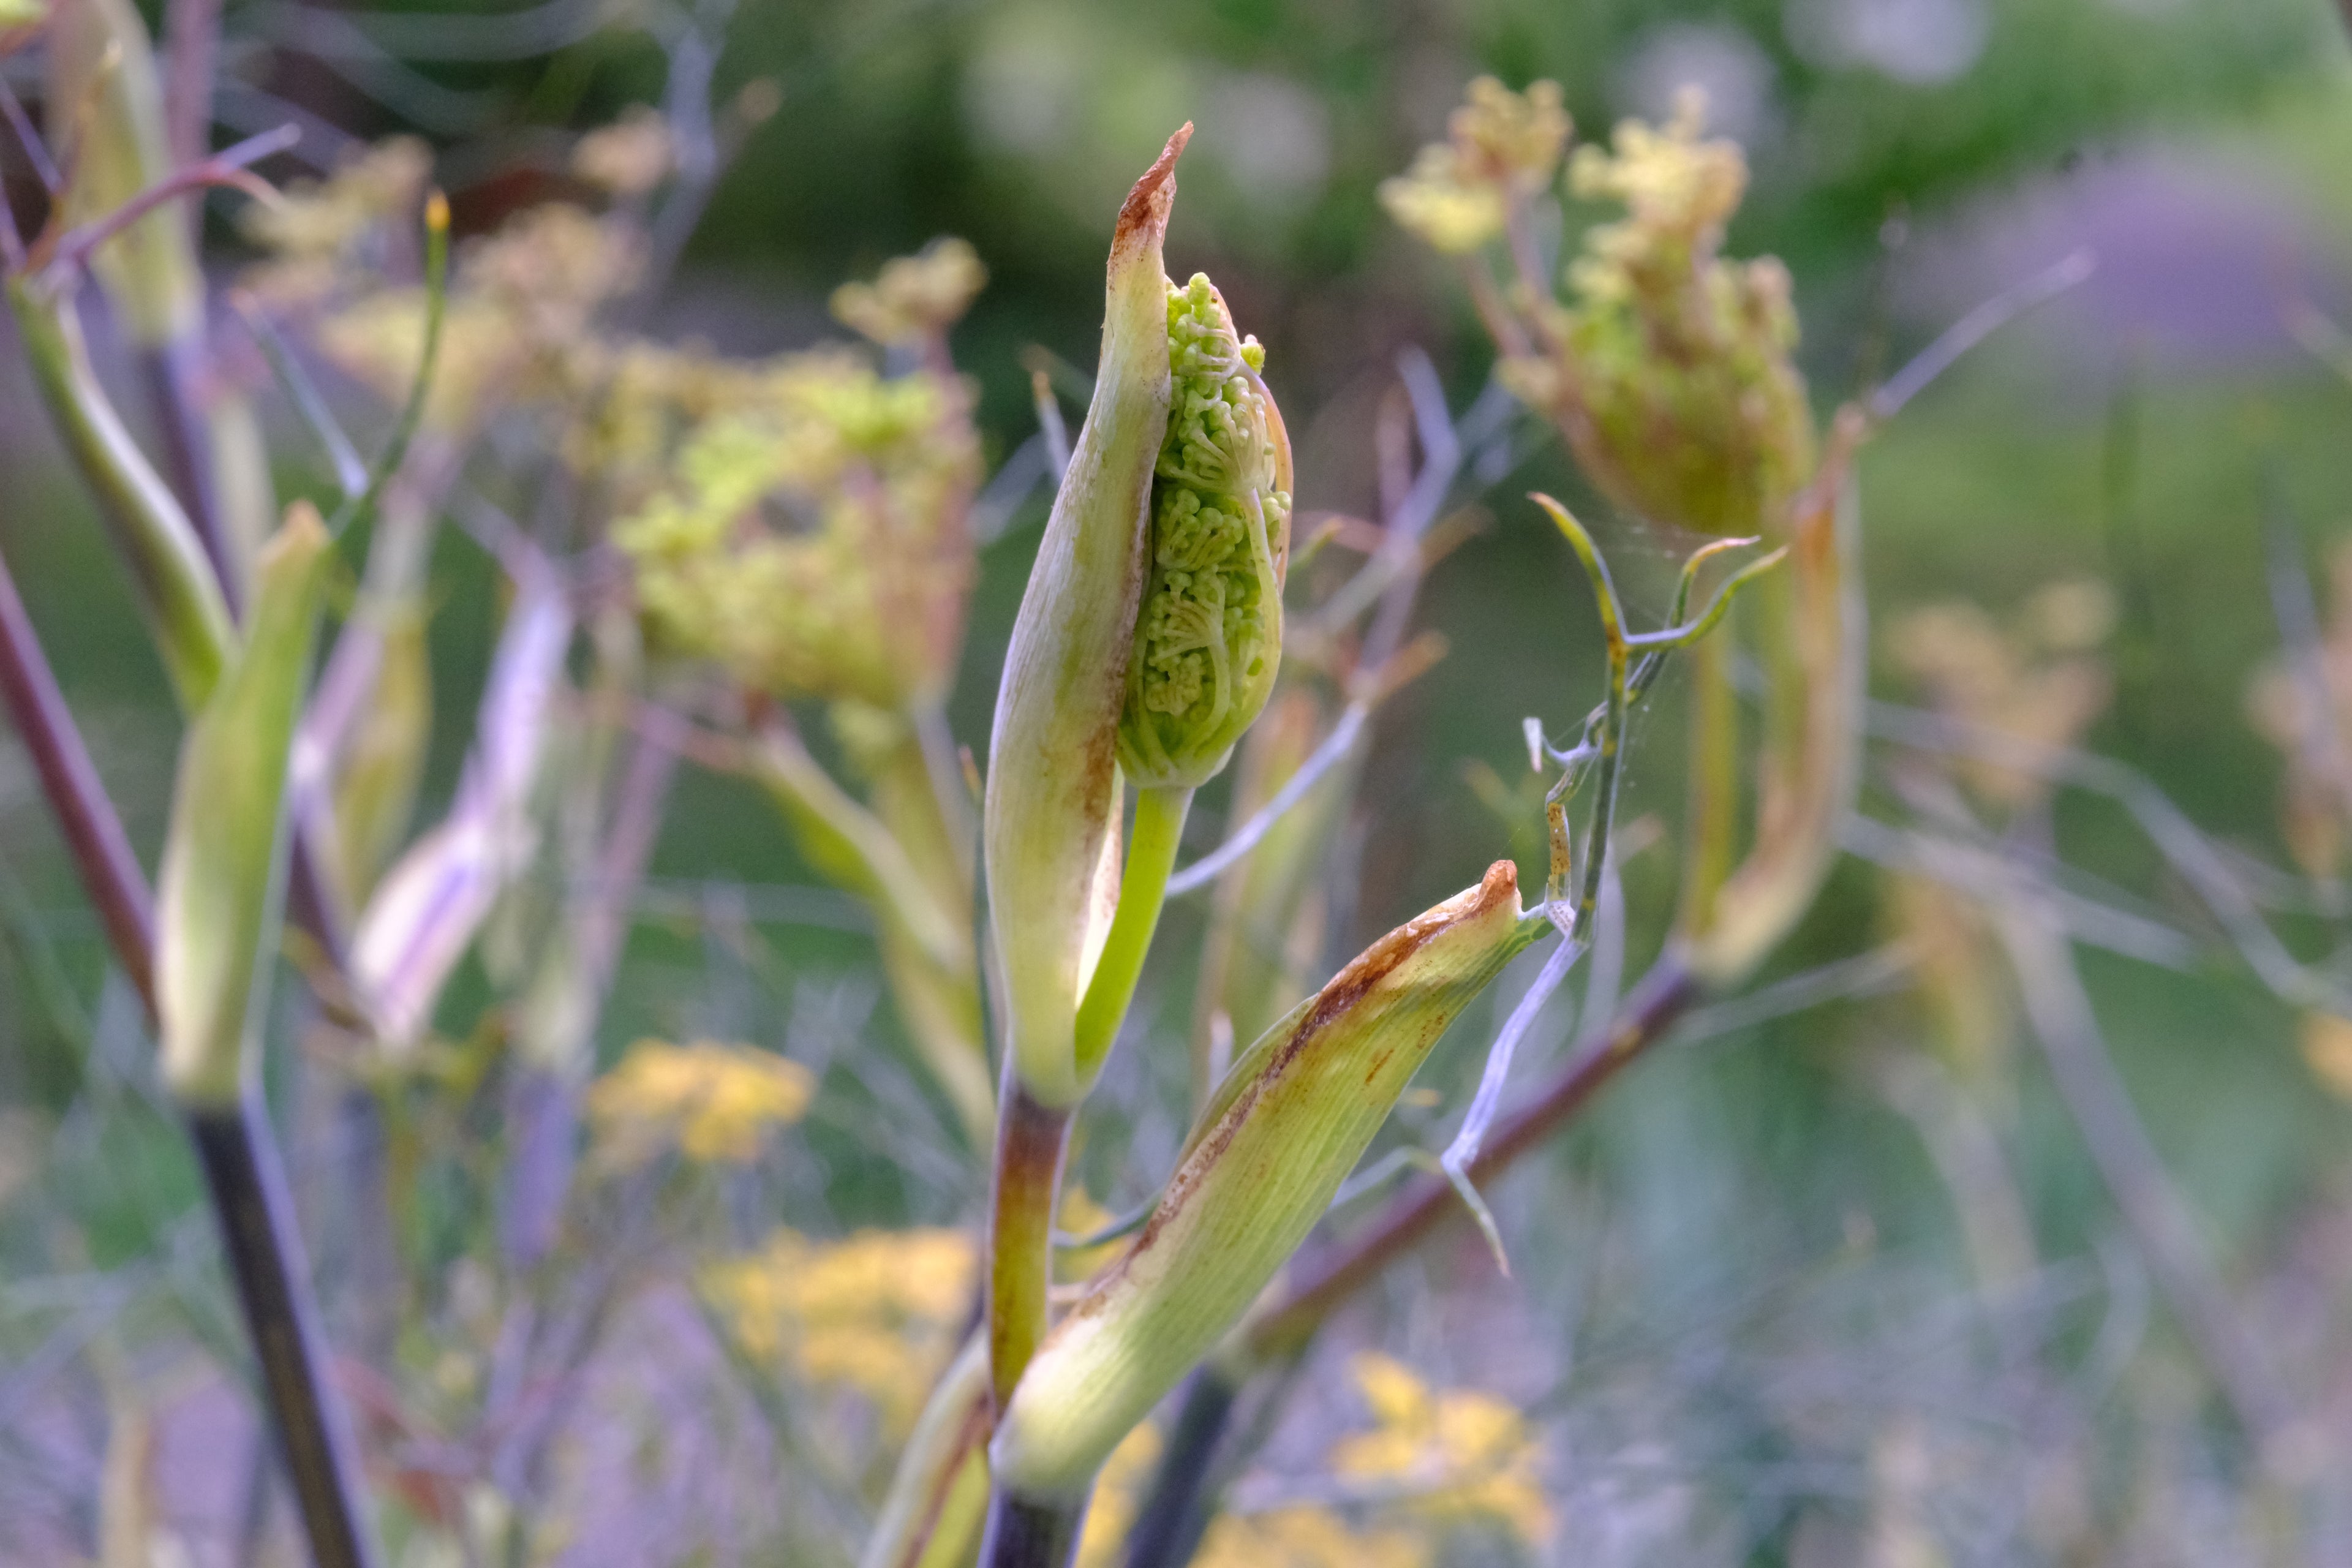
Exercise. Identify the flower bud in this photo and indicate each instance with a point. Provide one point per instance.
(1208, 638)
(1669, 371)
(1052, 809)
(1290, 1120)
(217, 896)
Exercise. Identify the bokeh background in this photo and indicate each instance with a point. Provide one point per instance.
(1745, 1312)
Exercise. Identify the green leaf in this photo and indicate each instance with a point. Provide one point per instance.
(219, 892)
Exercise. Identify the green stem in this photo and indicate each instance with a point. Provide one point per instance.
(939, 1494)
(1714, 782)
(1142, 891)
(168, 566)
(1031, 1139)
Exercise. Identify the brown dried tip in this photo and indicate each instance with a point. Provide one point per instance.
(1144, 218)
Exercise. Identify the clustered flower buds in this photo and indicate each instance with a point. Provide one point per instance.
(1210, 636)
(1670, 368)
(814, 543)
(1666, 366)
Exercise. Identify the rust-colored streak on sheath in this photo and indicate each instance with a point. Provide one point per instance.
(1325, 1279)
(1143, 217)
(1374, 964)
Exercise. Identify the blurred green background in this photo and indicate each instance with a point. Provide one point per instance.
(1910, 158)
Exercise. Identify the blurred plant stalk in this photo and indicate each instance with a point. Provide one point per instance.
(218, 899)
(108, 125)
(204, 960)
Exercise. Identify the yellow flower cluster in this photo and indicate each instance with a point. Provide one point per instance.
(916, 298)
(1678, 190)
(1501, 145)
(876, 1312)
(1435, 1461)
(2042, 680)
(1454, 1457)
(520, 305)
(812, 539)
(799, 521)
(712, 1102)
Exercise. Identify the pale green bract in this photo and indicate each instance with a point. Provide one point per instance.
(1292, 1118)
(1209, 640)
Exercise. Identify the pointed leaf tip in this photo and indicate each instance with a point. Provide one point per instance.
(1143, 217)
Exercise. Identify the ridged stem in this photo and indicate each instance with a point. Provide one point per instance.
(110, 871)
(264, 1249)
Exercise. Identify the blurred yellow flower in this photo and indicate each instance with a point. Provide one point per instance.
(2042, 682)
(520, 305)
(916, 298)
(1501, 146)
(1451, 1457)
(2327, 1050)
(2309, 721)
(812, 539)
(877, 1312)
(712, 1102)
(336, 219)
(1307, 1538)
